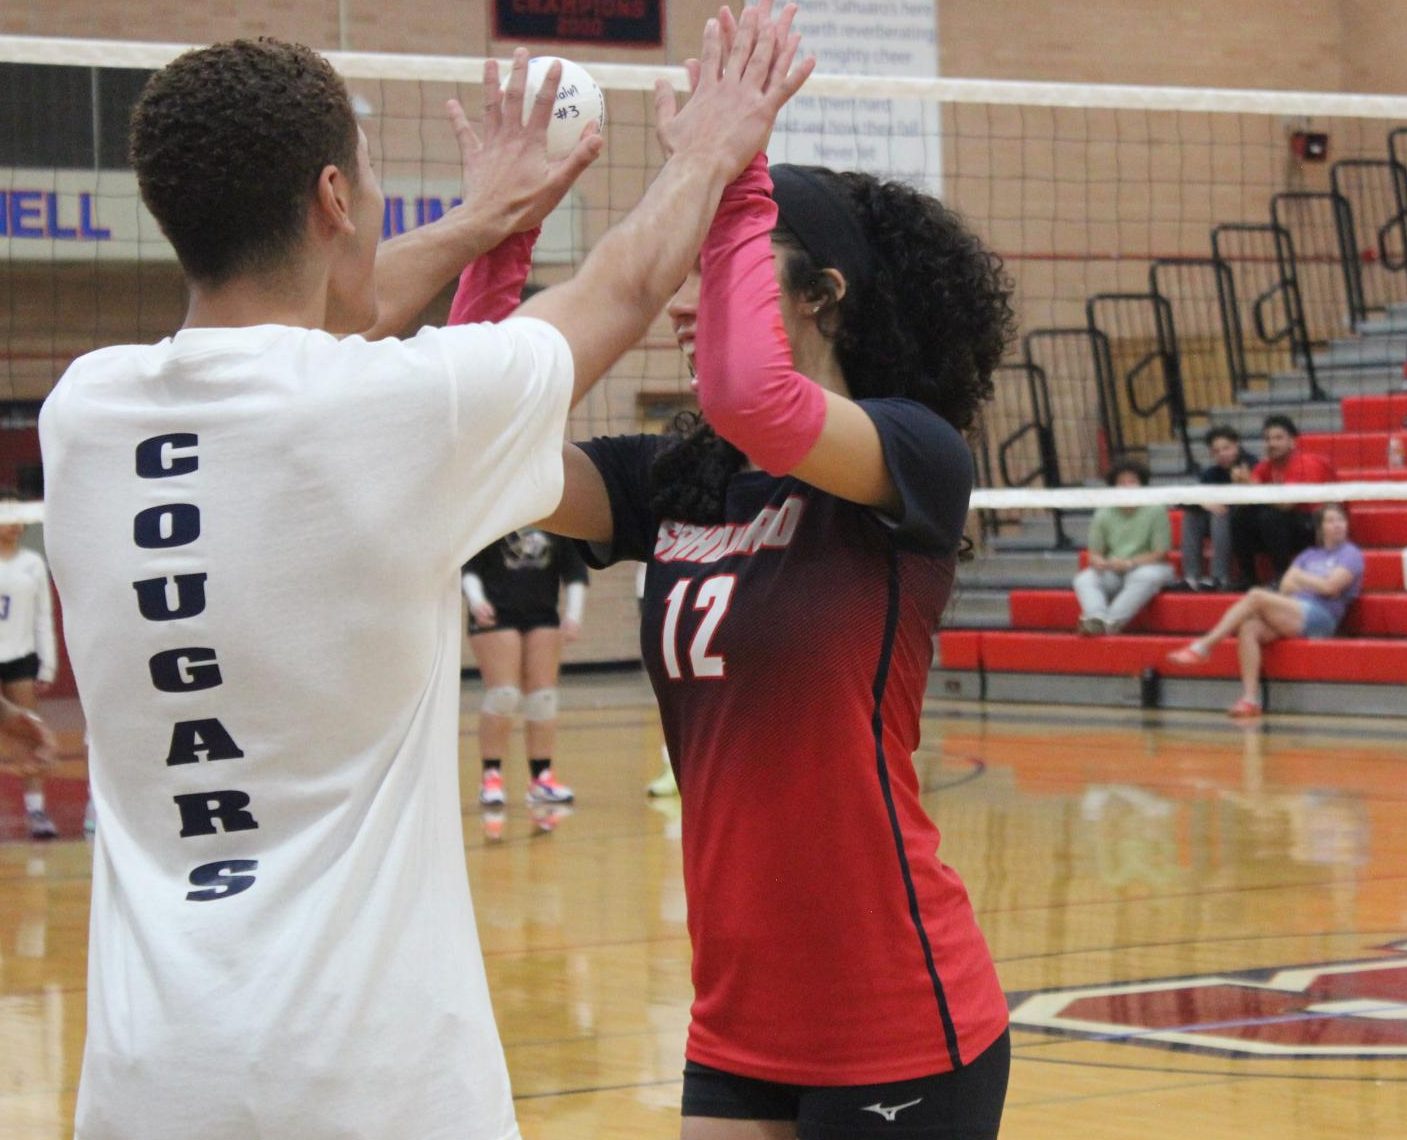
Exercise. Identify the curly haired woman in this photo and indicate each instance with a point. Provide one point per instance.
(801, 541)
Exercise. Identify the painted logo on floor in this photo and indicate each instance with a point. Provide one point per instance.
(1335, 1009)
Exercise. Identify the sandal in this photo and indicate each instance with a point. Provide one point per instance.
(1244, 708)
(1189, 655)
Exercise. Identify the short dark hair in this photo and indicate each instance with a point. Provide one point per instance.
(228, 142)
(1125, 465)
(1221, 431)
(1281, 421)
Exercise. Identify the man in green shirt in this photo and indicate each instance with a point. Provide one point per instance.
(1128, 558)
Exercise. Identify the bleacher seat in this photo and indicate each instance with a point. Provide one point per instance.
(1333, 660)
(1372, 615)
(1374, 413)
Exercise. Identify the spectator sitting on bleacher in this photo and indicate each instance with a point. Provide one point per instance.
(1231, 463)
(1277, 530)
(1128, 557)
(1313, 597)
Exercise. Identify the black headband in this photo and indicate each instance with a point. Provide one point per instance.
(815, 209)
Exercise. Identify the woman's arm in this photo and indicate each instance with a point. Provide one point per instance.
(44, 639)
(749, 389)
(1329, 585)
(585, 509)
(491, 286)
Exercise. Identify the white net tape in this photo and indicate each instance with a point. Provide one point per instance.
(1182, 495)
(634, 77)
(1082, 498)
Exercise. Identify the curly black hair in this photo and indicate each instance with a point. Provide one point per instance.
(932, 323)
(689, 476)
(934, 320)
(228, 142)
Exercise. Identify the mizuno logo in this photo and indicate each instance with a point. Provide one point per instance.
(889, 1112)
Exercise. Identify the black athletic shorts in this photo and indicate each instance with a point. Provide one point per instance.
(522, 622)
(962, 1105)
(24, 668)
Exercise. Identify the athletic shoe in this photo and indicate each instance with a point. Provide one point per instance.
(546, 817)
(494, 819)
(491, 789)
(546, 790)
(663, 786)
(1089, 626)
(41, 826)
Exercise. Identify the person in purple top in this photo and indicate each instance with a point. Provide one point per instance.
(1313, 596)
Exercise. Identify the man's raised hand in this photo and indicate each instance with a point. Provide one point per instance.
(507, 177)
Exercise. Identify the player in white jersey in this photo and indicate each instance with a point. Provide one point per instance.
(28, 652)
(255, 528)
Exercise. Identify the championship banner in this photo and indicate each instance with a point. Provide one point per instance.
(628, 23)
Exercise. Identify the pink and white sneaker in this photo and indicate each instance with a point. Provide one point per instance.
(491, 789)
(546, 790)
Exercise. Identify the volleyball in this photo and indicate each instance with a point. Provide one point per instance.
(579, 101)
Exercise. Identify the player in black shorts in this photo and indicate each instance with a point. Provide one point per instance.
(845, 332)
(516, 633)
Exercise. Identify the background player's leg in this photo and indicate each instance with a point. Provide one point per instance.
(542, 654)
(499, 655)
(1221, 549)
(1196, 522)
(40, 825)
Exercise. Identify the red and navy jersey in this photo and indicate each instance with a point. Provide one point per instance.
(789, 648)
(523, 573)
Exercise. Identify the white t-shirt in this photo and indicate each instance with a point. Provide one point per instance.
(27, 612)
(257, 535)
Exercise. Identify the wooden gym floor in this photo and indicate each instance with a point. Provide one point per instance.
(1202, 927)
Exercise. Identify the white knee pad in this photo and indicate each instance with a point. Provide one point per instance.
(540, 704)
(502, 700)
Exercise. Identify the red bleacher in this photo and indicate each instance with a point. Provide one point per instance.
(1357, 660)
(1374, 413)
(1370, 649)
(1372, 615)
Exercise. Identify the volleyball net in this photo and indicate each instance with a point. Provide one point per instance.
(1181, 257)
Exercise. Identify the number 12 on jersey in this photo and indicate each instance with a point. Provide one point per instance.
(714, 595)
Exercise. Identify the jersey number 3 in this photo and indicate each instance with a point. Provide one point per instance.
(714, 595)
